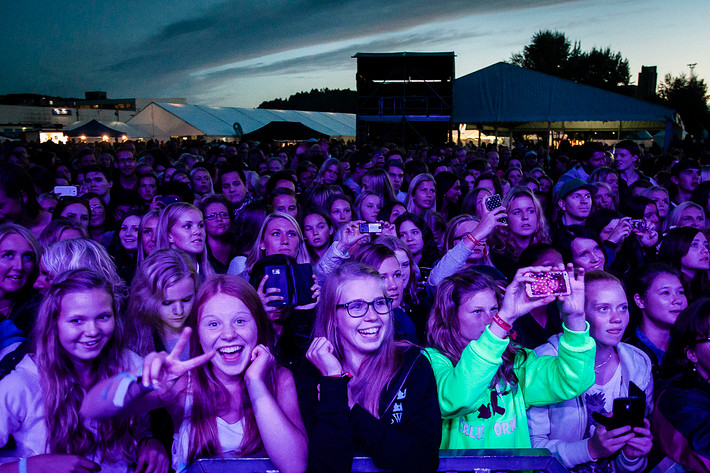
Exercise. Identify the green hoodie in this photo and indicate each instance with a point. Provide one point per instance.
(476, 416)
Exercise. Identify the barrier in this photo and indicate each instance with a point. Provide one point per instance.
(520, 459)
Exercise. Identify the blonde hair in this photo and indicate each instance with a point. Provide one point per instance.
(168, 218)
(416, 182)
(502, 239)
(257, 253)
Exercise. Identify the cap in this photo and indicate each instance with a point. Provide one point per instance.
(573, 185)
(684, 165)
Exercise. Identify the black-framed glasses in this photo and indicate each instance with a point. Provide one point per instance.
(358, 308)
(701, 340)
(216, 215)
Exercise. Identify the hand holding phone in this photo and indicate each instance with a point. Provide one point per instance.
(548, 283)
(493, 202)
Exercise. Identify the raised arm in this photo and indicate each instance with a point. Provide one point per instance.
(161, 382)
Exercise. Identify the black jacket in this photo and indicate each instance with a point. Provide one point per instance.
(406, 437)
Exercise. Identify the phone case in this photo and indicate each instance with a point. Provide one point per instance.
(493, 202)
(294, 282)
(553, 283)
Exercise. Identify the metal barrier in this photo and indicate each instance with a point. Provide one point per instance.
(488, 460)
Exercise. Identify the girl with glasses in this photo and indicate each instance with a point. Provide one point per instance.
(369, 395)
(218, 225)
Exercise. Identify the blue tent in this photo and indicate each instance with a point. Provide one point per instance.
(508, 97)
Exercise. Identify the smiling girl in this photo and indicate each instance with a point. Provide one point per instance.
(79, 341)
(369, 396)
(230, 399)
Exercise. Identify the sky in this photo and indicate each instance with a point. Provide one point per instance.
(240, 53)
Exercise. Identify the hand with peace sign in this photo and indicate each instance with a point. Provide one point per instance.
(162, 370)
(125, 394)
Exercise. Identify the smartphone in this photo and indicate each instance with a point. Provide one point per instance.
(167, 200)
(371, 227)
(278, 278)
(302, 282)
(493, 202)
(65, 191)
(626, 411)
(550, 283)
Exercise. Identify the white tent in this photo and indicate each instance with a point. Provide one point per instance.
(164, 120)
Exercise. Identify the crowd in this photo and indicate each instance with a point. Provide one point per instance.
(165, 302)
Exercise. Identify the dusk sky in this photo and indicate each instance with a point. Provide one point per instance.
(240, 53)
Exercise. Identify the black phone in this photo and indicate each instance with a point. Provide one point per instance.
(294, 282)
(630, 410)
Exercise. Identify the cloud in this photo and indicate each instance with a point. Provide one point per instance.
(238, 30)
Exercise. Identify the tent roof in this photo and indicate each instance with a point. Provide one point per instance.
(97, 128)
(219, 121)
(504, 93)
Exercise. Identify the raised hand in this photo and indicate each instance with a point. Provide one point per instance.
(162, 370)
(516, 302)
(268, 295)
(315, 290)
(350, 235)
(388, 229)
(261, 361)
(489, 222)
(321, 354)
(572, 306)
(621, 231)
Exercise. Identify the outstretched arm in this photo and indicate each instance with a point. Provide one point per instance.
(161, 382)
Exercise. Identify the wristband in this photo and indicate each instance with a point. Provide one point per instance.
(473, 240)
(22, 465)
(502, 323)
(344, 374)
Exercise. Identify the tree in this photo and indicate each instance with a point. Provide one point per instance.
(689, 97)
(323, 100)
(552, 53)
(547, 52)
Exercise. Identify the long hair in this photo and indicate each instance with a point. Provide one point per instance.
(676, 244)
(62, 390)
(378, 368)
(52, 233)
(638, 282)
(161, 269)
(693, 324)
(8, 229)
(394, 244)
(444, 331)
(168, 218)
(257, 253)
(502, 239)
(208, 393)
(247, 226)
(359, 201)
(326, 164)
(376, 180)
(430, 252)
(674, 216)
(142, 255)
(413, 185)
(82, 253)
(469, 205)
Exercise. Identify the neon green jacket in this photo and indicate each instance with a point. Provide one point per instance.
(476, 416)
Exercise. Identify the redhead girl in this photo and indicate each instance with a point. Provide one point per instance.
(79, 341)
(485, 383)
(369, 396)
(230, 399)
